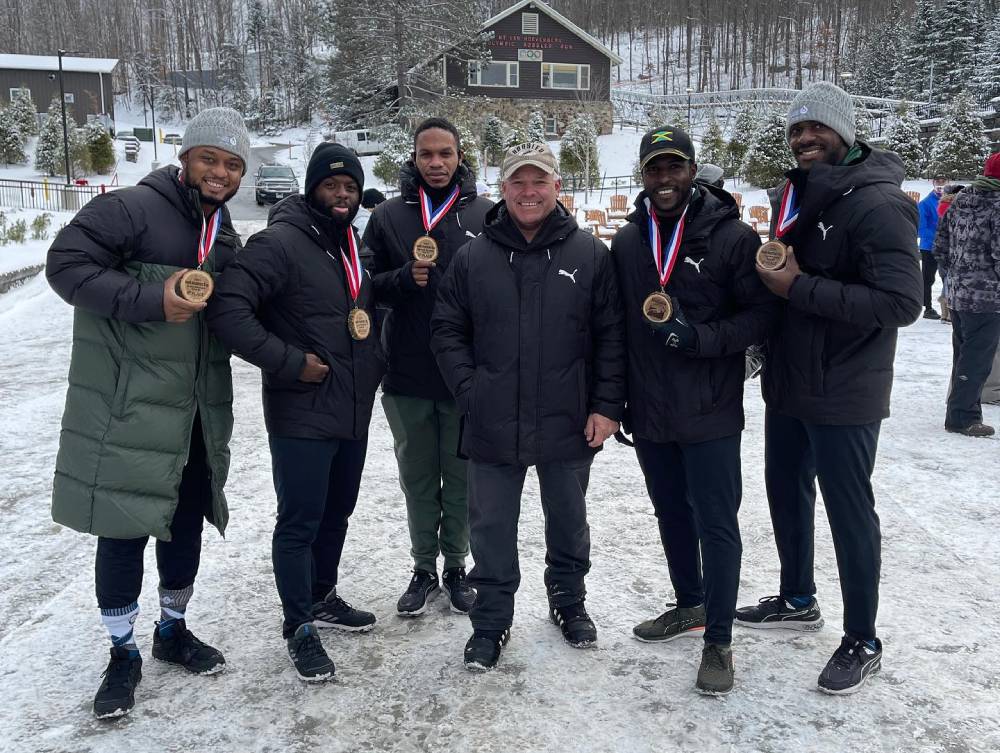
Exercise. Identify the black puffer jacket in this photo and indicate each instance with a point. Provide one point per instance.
(286, 296)
(530, 339)
(830, 358)
(389, 237)
(679, 397)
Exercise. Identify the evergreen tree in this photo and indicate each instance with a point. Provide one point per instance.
(50, 156)
(956, 22)
(862, 122)
(578, 153)
(536, 127)
(713, 145)
(100, 147)
(495, 139)
(986, 82)
(233, 88)
(23, 108)
(903, 137)
(880, 55)
(516, 134)
(11, 143)
(662, 115)
(768, 157)
(397, 148)
(470, 147)
(913, 72)
(742, 136)
(79, 149)
(960, 146)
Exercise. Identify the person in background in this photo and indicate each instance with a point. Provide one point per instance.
(928, 218)
(370, 199)
(711, 175)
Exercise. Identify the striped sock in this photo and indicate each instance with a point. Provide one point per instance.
(119, 623)
(173, 604)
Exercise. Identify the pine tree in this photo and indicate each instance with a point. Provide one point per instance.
(494, 141)
(903, 137)
(662, 115)
(862, 122)
(768, 157)
(79, 149)
(986, 83)
(516, 134)
(23, 108)
(742, 136)
(397, 148)
(100, 147)
(955, 54)
(713, 145)
(11, 143)
(233, 88)
(960, 146)
(879, 55)
(536, 127)
(470, 147)
(913, 72)
(578, 153)
(50, 156)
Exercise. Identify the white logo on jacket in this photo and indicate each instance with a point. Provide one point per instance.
(569, 275)
(695, 264)
(824, 229)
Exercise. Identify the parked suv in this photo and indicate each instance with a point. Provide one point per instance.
(274, 182)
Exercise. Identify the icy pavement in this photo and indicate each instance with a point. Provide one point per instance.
(403, 687)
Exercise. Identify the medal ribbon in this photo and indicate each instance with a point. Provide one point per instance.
(665, 258)
(429, 214)
(788, 212)
(209, 230)
(352, 266)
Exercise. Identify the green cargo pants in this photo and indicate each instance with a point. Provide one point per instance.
(432, 477)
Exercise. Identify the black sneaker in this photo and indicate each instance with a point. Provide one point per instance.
(715, 675)
(116, 696)
(931, 314)
(308, 657)
(775, 612)
(482, 652)
(977, 429)
(180, 646)
(850, 666)
(576, 626)
(673, 623)
(423, 586)
(334, 612)
(461, 595)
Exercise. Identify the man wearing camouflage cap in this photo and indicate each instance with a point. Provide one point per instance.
(145, 433)
(851, 278)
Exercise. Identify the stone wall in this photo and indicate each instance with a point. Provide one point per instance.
(518, 110)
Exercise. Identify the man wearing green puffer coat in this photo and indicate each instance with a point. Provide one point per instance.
(145, 433)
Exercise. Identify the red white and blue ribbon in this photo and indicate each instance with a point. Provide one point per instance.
(788, 212)
(209, 230)
(665, 258)
(429, 214)
(352, 266)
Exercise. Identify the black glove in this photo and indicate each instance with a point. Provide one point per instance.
(676, 332)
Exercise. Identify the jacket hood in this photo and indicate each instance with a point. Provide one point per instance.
(824, 183)
(500, 228)
(707, 208)
(295, 210)
(409, 181)
(166, 182)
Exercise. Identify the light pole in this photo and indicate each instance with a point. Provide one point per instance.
(689, 90)
(62, 102)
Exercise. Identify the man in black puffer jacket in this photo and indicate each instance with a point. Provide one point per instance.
(685, 384)
(852, 280)
(298, 304)
(528, 332)
(437, 201)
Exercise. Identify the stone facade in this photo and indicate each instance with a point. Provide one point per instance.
(518, 110)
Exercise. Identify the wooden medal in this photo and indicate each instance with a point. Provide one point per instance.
(425, 248)
(195, 286)
(657, 308)
(359, 324)
(772, 256)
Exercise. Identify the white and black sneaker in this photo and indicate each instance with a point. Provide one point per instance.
(482, 652)
(334, 612)
(776, 612)
(423, 587)
(575, 624)
(310, 660)
(850, 666)
(461, 595)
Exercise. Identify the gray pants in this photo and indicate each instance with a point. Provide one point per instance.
(494, 509)
(991, 390)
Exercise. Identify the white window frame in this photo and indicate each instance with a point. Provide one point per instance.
(582, 76)
(554, 130)
(526, 23)
(475, 74)
(69, 98)
(15, 90)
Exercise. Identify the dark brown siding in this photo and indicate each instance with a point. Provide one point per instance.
(85, 88)
(558, 45)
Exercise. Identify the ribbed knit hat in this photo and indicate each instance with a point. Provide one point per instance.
(825, 103)
(333, 159)
(219, 127)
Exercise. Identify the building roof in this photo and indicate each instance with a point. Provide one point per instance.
(51, 63)
(559, 19)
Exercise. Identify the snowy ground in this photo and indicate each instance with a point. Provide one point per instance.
(403, 688)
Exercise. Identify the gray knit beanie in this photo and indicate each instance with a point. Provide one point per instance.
(825, 103)
(221, 127)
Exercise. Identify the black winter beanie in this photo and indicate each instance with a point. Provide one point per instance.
(333, 159)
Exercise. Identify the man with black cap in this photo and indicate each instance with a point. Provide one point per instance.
(145, 434)
(298, 304)
(847, 265)
(413, 239)
(528, 333)
(685, 250)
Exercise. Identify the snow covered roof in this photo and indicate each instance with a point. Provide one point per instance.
(51, 63)
(559, 19)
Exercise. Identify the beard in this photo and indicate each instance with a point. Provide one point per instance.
(203, 197)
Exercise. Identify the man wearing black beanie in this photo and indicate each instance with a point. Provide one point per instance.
(298, 305)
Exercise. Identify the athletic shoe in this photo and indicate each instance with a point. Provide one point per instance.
(775, 612)
(715, 675)
(482, 652)
(176, 644)
(978, 429)
(673, 623)
(850, 666)
(461, 595)
(334, 612)
(116, 696)
(576, 626)
(931, 314)
(423, 586)
(308, 657)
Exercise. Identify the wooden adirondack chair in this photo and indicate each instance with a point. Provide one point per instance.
(597, 221)
(914, 195)
(619, 207)
(760, 220)
(567, 200)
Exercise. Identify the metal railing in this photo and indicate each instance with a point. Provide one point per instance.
(51, 197)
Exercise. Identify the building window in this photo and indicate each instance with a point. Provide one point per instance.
(551, 127)
(565, 76)
(493, 74)
(70, 99)
(529, 23)
(14, 93)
